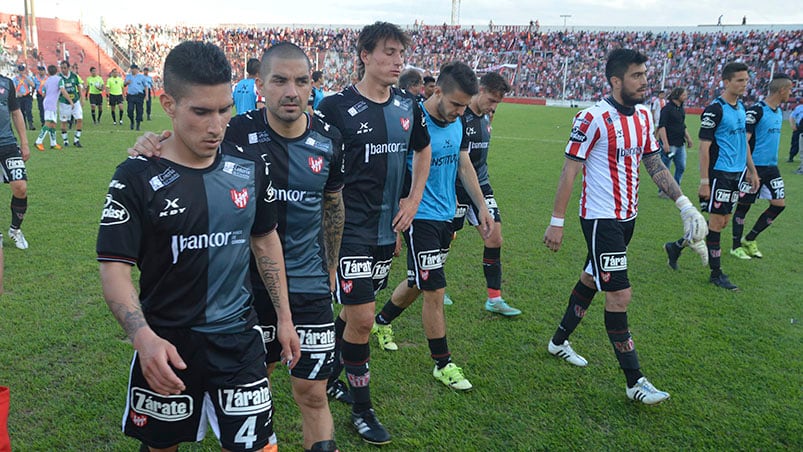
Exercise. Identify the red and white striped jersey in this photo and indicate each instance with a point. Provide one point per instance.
(611, 145)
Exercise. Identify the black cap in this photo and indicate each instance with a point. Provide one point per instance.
(134, 66)
(145, 69)
(21, 67)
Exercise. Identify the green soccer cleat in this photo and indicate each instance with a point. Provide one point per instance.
(452, 376)
(752, 248)
(384, 335)
(740, 253)
(500, 307)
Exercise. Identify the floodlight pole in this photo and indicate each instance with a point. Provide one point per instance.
(565, 16)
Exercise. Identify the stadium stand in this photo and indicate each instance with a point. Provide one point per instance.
(534, 59)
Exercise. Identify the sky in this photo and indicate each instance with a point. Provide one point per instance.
(620, 13)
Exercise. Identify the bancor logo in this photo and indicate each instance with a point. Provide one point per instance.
(181, 243)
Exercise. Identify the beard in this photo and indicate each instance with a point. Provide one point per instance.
(631, 98)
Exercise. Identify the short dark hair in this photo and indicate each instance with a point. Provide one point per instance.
(317, 75)
(429, 79)
(457, 75)
(778, 81)
(92, 69)
(676, 92)
(378, 31)
(410, 77)
(621, 59)
(252, 66)
(194, 63)
(732, 68)
(495, 83)
(52, 69)
(283, 50)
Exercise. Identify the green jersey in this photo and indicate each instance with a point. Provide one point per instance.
(71, 84)
(115, 86)
(95, 84)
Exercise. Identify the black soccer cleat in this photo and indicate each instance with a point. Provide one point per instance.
(369, 427)
(722, 281)
(673, 252)
(340, 392)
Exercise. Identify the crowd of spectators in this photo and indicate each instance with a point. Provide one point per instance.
(533, 60)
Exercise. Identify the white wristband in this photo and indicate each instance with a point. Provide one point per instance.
(557, 222)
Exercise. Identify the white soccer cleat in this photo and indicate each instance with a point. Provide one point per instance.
(566, 352)
(643, 391)
(18, 237)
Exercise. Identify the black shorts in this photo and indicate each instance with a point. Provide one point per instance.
(724, 192)
(362, 272)
(267, 321)
(96, 99)
(11, 164)
(115, 99)
(467, 210)
(772, 186)
(607, 242)
(226, 386)
(428, 245)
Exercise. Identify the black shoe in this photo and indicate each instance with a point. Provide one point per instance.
(340, 392)
(791, 160)
(673, 252)
(66, 144)
(369, 427)
(132, 126)
(77, 144)
(722, 281)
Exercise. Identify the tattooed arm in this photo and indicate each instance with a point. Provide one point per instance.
(661, 176)
(333, 219)
(155, 354)
(267, 251)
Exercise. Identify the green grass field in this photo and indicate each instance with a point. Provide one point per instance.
(732, 361)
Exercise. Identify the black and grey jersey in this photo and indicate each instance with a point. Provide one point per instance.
(188, 230)
(376, 140)
(477, 131)
(8, 104)
(302, 170)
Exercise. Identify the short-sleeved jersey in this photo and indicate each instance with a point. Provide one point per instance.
(673, 120)
(8, 103)
(72, 84)
(52, 92)
(797, 115)
(477, 131)
(302, 171)
(244, 95)
(188, 230)
(376, 139)
(115, 86)
(440, 199)
(723, 125)
(137, 83)
(95, 84)
(764, 124)
(610, 140)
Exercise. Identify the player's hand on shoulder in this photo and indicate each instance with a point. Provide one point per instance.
(149, 144)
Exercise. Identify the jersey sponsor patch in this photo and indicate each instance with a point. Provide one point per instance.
(160, 181)
(268, 333)
(707, 121)
(169, 408)
(116, 184)
(382, 269)
(611, 262)
(355, 267)
(181, 243)
(253, 398)
(750, 117)
(315, 163)
(237, 170)
(355, 109)
(776, 183)
(171, 208)
(577, 135)
(113, 212)
(721, 195)
(461, 210)
(15, 163)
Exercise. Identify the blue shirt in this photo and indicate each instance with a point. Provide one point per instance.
(245, 95)
(723, 125)
(797, 114)
(439, 200)
(317, 97)
(764, 126)
(137, 84)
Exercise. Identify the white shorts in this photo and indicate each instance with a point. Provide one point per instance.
(51, 115)
(66, 111)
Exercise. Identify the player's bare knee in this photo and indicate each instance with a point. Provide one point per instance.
(19, 189)
(618, 300)
(587, 280)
